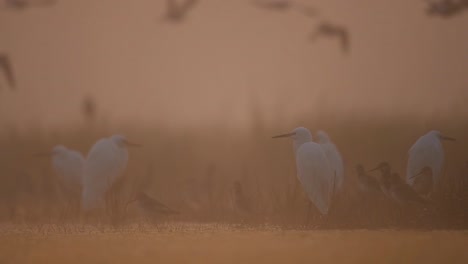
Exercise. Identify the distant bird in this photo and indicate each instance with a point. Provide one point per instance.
(327, 29)
(334, 157)
(241, 202)
(105, 164)
(423, 182)
(402, 192)
(152, 208)
(5, 65)
(68, 165)
(88, 108)
(427, 152)
(23, 4)
(176, 12)
(366, 183)
(384, 178)
(284, 5)
(313, 169)
(446, 8)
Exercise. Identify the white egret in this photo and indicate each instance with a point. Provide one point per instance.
(68, 165)
(105, 163)
(426, 152)
(334, 157)
(314, 170)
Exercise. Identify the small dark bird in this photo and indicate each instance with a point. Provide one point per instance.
(176, 12)
(5, 65)
(402, 192)
(88, 108)
(327, 29)
(23, 4)
(366, 183)
(151, 207)
(284, 5)
(384, 177)
(446, 8)
(423, 183)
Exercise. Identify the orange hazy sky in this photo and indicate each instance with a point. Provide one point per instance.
(226, 53)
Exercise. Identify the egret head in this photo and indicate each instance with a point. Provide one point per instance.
(300, 135)
(384, 167)
(440, 136)
(322, 137)
(122, 141)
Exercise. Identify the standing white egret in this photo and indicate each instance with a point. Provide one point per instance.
(68, 165)
(334, 156)
(426, 152)
(105, 163)
(313, 168)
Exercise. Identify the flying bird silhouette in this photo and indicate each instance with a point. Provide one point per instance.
(5, 65)
(177, 12)
(445, 8)
(330, 30)
(23, 4)
(285, 5)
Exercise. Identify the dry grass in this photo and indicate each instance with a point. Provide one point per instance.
(192, 170)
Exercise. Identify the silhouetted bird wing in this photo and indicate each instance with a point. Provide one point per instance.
(279, 5)
(5, 64)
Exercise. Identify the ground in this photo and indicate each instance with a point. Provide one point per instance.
(213, 243)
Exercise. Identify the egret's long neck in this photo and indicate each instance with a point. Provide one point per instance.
(299, 141)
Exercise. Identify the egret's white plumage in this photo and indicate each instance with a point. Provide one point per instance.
(334, 156)
(105, 163)
(426, 152)
(313, 168)
(68, 165)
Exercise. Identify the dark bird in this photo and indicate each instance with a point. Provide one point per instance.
(176, 12)
(327, 29)
(423, 183)
(446, 8)
(88, 108)
(285, 5)
(5, 65)
(402, 192)
(384, 177)
(366, 183)
(151, 207)
(23, 4)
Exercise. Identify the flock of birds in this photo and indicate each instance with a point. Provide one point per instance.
(320, 170)
(89, 183)
(176, 12)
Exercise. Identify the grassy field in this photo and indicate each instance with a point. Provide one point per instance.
(226, 244)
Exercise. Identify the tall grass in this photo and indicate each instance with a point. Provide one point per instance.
(193, 170)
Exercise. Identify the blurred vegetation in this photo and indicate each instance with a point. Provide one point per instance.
(195, 171)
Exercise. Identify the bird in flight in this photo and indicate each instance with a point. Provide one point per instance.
(176, 12)
(5, 66)
(446, 8)
(330, 30)
(23, 4)
(284, 5)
